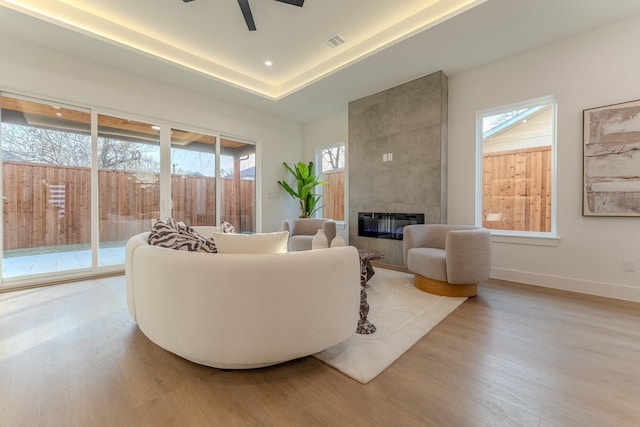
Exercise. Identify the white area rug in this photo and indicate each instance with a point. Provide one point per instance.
(402, 315)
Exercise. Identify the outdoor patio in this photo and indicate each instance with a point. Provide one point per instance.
(54, 262)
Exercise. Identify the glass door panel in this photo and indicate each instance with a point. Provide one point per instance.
(128, 183)
(193, 172)
(46, 176)
(238, 179)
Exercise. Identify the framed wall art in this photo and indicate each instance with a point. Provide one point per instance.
(612, 160)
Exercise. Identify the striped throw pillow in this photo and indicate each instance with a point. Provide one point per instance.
(176, 235)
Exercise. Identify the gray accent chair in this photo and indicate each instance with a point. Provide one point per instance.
(302, 230)
(447, 260)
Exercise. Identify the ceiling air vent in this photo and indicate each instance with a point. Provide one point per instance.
(333, 42)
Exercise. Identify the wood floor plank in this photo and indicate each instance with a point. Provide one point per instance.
(7, 378)
(99, 395)
(515, 355)
(40, 390)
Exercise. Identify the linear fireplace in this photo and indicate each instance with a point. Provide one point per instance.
(386, 225)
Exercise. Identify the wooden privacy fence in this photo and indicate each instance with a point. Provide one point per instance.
(333, 195)
(516, 190)
(48, 205)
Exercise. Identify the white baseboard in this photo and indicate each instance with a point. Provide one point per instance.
(609, 290)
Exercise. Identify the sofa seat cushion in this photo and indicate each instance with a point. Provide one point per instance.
(428, 262)
(300, 243)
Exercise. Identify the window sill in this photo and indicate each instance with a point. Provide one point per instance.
(534, 239)
(340, 225)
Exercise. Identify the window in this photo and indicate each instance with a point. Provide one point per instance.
(238, 184)
(193, 177)
(128, 183)
(516, 152)
(77, 184)
(331, 164)
(198, 197)
(46, 159)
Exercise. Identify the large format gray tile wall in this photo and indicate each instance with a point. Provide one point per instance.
(410, 122)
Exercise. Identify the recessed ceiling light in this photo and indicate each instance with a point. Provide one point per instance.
(268, 63)
(155, 127)
(59, 114)
(56, 107)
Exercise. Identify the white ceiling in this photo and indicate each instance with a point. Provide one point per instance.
(205, 45)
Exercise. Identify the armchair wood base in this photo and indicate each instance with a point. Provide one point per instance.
(438, 287)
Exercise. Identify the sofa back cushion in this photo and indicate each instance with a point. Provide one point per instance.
(259, 243)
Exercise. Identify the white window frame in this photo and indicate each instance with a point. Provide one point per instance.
(511, 236)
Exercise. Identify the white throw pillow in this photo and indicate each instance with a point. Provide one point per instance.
(259, 243)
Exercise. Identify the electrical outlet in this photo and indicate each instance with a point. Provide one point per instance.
(629, 264)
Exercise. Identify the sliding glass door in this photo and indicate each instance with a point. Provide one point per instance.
(198, 197)
(77, 184)
(238, 184)
(128, 154)
(46, 187)
(193, 177)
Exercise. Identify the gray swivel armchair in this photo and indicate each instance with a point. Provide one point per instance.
(302, 230)
(447, 260)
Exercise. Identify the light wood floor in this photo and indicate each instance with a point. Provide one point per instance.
(513, 356)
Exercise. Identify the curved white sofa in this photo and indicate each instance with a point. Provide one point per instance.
(240, 311)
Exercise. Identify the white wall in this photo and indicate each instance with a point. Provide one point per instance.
(593, 69)
(28, 69)
(329, 130)
(325, 131)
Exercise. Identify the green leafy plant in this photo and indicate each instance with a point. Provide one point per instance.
(306, 183)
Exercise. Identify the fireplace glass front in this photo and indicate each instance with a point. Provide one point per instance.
(386, 225)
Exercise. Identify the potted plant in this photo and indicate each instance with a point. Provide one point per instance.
(306, 182)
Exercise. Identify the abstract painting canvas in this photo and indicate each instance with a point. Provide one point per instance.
(612, 160)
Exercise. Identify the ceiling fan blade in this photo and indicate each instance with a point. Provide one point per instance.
(187, 1)
(246, 12)
(293, 2)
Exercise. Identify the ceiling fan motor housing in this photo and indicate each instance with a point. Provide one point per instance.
(248, 16)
